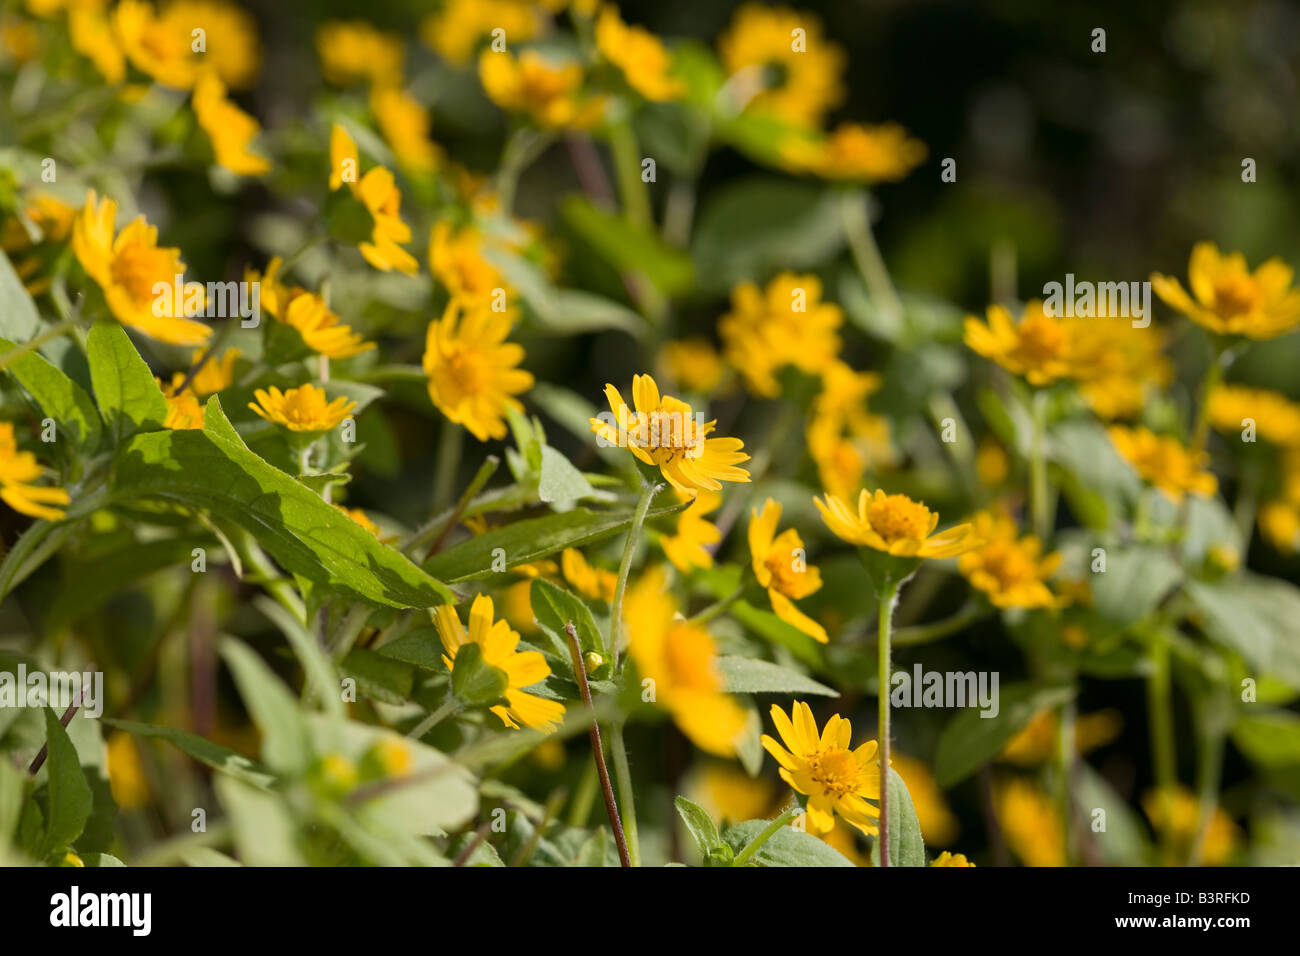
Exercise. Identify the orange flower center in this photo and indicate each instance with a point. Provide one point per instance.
(1042, 338)
(469, 375)
(137, 267)
(899, 518)
(835, 771)
(1234, 295)
(1008, 563)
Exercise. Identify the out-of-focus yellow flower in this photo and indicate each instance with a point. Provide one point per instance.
(456, 260)
(216, 373)
(361, 518)
(550, 94)
(590, 582)
(19, 470)
(19, 40)
(680, 661)
(896, 525)
(321, 330)
(378, 191)
(127, 267)
(461, 26)
(1038, 348)
(499, 646)
(857, 152)
(125, 772)
(1037, 742)
(835, 779)
(784, 63)
(841, 467)
(639, 55)
(1030, 822)
(1011, 571)
(1162, 461)
(1276, 417)
(1229, 299)
(689, 547)
(353, 50)
(938, 825)
(165, 45)
(302, 409)
(404, 124)
(666, 432)
(228, 127)
(694, 364)
(991, 463)
(1118, 366)
(1179, 811)
(473, 371)
(785, 324)
(91, 34)
(1279, 518)
(951, 859)
(183, 408)
(730, 795)
(781, 566)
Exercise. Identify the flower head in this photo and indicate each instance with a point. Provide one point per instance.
(404, 124)
(1229, 299)
(1030, 822)
(896, 525)
(857, 152)
(1119, 366)
(590, 582)
(456, 259)
(689, 547)
(161, 43)
(947, 858)
(639, 55)
(781, 566)
(547, 93)
(216, 373)
(378, 192)
(1164, 462)
(693, 364)
(460, 27)
(1276, 418)
(783, 62)
(836, 780)
(183, 408)
(785, 324)
(1009, 569)
(352, 50)
(19, 470)
(1040, 348)
(302, 409)
(228, 127)
(1177, 813)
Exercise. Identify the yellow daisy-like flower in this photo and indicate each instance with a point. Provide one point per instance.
(228, 127)
(405, 124)
(896, 525)
(19, 470)
(1009, 569)
(352, 50)
(321, 330)
(499, 644)
(1179, 811)
(783, 62)
(548, 93)
(857, 152)
(456, 260)
(302, 409)
(689, 547)
(460, 27)
(183, 408)
(378, 192)
(781, 566)
(163, 44)
(473, 371)
(590, 582)
(127, 267)
(639, 55)
(1038, 348)
(1275, 417)
(951, 859)
(835, 779)
(694, 364)
(1164, 462)
(666, 432)
(1279, 518)
(1030, 823)
(216, 374)
(681, 662)
(1118, 366)
(1229, 299)
(784, 324)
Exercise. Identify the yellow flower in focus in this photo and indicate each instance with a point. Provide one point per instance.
(681, 661)
(896, 525)
(689, 547)
(499, 644)
(125, 772)
(1164, 462)
(781, 566)
(378, 192)
(548, 93)
(473, 371)
(163, 43)
(1009, 569)
(938, 825)
(19, 470)
(228, 127)
(666, 432)
(857, 152)
(782, 64)
(1030, 823)
(694, 364)
(639, 55)
(183, 408)
(1275, 417)
(302, 409)
(404, 124)
(1182, 817)
(1039, 348)
(590, 582)
(352, 50)
(460, 27)
(216, 374)
(784, 324)
(951, 859)
(456, 260)
(127, 267)
(836, 780)
(1228, 299)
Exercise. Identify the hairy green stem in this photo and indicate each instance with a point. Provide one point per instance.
(445, 709)
(886, 593)
(769, 831)
(623, 774)
(617, 627)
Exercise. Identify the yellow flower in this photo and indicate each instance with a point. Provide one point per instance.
(689, 547)
(1037, 742)
(91, 34)
(1039, 348)
(1275, 417)
(51, 216)
(783, 62)
(404, 124)
(666, 432)
(730, 795)
(456, 260)
(381, 197)
(302, 409)
(18, 472)
(163, 44)
(183, 409)
(1181, 816)
(499, 644)
(694, 364)
(991, 463)
(781, 566)
(896, 525)
(127, 268)
(1163, 462)
(216, 374)
(858, 152)
(457, 30)
(473, 371)
(361, 518)
(1279, 519)
(352, 50)
(681, 661)
(590, 582)
(321, 330)
(835, 779)
(1229, 299)
(1009, 569)
(938, 825)
(639, 55)
(549, 94)
(229, 128)
(786, 324)
(1118, 366)
(125, 772)
(19, 40)
(1031, 824)
(951, 859)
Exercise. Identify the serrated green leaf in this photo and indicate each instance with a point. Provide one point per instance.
(129, 398)
(700, 826)
(58, 396)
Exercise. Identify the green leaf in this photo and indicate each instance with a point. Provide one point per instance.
(744, 675)
(700, 826)
(553, 607)
(1271, 738)
(560, 484)
(786, 847)
(315, 664)
(1124, 840)
(286, 744)
(263, 825)
(970, 740)
(562, 311)
(475, 681)
(906, 848)
(19, 319)
(629, 248)
(70, 797)
(1136, 579)
(201, 749)
(1255, 616)
(58, 396)
(13, 788)
(129, 398)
